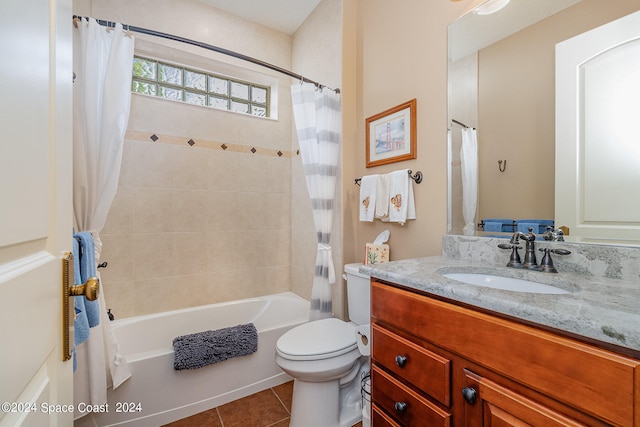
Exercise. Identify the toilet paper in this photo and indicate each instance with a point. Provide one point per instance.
(363, 333)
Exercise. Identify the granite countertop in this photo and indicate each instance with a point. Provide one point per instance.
(601, 309)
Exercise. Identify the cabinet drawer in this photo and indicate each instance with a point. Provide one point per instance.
(405, 405)
(426, 370)
(380, 419)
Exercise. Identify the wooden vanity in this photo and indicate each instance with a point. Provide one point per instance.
(435, 363)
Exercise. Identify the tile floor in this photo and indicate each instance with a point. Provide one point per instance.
(268, 408)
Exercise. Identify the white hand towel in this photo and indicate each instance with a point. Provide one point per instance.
(382, 197)
(368, 189)
(401, 202)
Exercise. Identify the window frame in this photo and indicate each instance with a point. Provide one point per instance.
(208, 92)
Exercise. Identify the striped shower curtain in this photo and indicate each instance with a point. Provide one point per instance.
(317, 114)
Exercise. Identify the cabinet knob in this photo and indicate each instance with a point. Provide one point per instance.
(470, 394)
(401, 361)
(401, 407)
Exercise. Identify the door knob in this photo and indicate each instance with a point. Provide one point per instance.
(89, 289)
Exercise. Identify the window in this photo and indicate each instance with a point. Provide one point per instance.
(175, 82)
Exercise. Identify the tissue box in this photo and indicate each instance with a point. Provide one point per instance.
(376, 254)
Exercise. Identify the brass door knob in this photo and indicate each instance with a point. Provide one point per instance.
(89, 289)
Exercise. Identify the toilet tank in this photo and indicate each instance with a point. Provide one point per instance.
(358, 294)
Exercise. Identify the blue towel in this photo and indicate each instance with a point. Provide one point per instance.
(498, 224)
(87, 263)
(80, 322)
(493, 226)
(538, 225)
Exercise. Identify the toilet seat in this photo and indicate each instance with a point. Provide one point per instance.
(319, 339)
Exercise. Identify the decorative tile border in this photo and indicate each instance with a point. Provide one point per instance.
(202, 143)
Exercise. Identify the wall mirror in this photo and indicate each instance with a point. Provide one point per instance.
(502, 82)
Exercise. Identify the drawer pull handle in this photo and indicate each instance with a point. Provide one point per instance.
(401, 361)
(401, 407)
(470, 394)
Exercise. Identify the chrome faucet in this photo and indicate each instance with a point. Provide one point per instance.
(530, 261)
(553, 235)
(530, 248)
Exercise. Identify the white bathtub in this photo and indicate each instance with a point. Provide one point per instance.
(165, 395)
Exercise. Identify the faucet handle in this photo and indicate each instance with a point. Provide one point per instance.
(546, 264)
(514, 260)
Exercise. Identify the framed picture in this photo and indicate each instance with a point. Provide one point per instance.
(391, 135)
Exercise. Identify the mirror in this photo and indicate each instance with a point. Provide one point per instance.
(502, 82)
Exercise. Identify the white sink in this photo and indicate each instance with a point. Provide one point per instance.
(504, 283)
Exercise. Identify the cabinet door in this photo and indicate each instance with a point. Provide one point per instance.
(489, 404)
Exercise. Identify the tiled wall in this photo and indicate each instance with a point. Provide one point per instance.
(196, 224)
(203, 208)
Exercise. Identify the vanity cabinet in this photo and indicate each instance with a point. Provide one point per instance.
(436, 363)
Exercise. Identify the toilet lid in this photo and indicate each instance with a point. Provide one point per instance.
(320, 339)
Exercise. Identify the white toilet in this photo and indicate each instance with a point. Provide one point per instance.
(323, 358)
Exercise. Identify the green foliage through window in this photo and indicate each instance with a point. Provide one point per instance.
(171, 81)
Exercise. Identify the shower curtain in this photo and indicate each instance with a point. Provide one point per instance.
(449, 182)
(103, 60)
(317, 114)
(469, 160)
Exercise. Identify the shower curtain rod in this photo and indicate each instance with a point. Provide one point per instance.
(227, 52)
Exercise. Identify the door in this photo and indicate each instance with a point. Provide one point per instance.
(597, 148)
(488, 404)
(35, 210)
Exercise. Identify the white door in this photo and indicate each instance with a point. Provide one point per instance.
(597, 141)
(35, 209)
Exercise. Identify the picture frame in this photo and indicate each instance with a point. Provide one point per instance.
(391, 135)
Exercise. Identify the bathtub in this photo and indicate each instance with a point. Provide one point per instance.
(156, 394)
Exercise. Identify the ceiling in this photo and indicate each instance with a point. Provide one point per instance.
(282, 15)
(473, 32)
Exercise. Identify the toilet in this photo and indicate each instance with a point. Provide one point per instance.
(327, 366)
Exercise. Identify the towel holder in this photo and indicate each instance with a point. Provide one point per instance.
(417, 177)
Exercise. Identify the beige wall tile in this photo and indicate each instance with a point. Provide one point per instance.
(189, 210)
(154, 295)
(117, 251)
(120, 218)
(151, 210)
(152, 256)
(190, 167)
(190, 253)
(119, 298)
